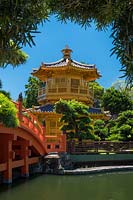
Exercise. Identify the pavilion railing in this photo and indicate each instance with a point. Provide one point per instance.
(90, 147)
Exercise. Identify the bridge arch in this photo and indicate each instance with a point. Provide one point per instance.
(21, 146)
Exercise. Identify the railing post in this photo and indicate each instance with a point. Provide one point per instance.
(20, 101)
(72, 147)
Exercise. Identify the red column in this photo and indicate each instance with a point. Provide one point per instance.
(64, 142)
(8, 159)
(25, 156)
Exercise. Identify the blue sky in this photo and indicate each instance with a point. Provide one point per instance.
(88, 46)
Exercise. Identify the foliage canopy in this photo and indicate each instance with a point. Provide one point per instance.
(122, 127)
(75, 119)
(116, 101)
(8, 112)
(100, 129)
(118, 14)
(98, 91)
(18, 23)
(31, 92)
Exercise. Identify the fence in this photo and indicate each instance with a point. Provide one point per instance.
(88, 147)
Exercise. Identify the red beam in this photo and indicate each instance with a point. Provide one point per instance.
(33, 160)
(3, 167)
(18, 163)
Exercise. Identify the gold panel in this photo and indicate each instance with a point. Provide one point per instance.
(62, 90)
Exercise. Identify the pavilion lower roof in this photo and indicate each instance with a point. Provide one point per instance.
(50, 108)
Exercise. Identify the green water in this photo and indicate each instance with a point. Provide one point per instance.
(112, 186)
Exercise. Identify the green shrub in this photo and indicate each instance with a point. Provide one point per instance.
(8, 112)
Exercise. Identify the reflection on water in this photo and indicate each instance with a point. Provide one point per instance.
(112, 186)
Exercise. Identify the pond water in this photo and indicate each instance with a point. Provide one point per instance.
(112, 186)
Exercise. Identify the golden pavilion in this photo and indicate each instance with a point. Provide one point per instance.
(63, 79)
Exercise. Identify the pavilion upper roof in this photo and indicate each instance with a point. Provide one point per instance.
(64, 63)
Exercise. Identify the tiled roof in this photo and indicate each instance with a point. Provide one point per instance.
(82, 65)
(95, 110)
(61, 62)
(50, 108)
(65, 62)
(46, 108)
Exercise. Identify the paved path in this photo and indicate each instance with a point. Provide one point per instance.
(93, 170)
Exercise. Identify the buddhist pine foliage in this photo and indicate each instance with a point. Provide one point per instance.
(122, 127)
(118, 129)
(75, 119)
(116, 101)
(100, 129)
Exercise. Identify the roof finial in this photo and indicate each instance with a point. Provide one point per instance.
(67, 52)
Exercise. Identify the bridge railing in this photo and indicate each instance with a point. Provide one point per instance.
(29, 121)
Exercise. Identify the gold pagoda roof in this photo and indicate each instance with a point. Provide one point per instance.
(65, 63)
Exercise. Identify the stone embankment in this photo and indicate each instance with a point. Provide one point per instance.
(94, 170)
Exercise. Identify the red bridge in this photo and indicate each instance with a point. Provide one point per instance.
(22, 146)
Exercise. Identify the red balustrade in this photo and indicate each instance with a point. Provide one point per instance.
(30, 122)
